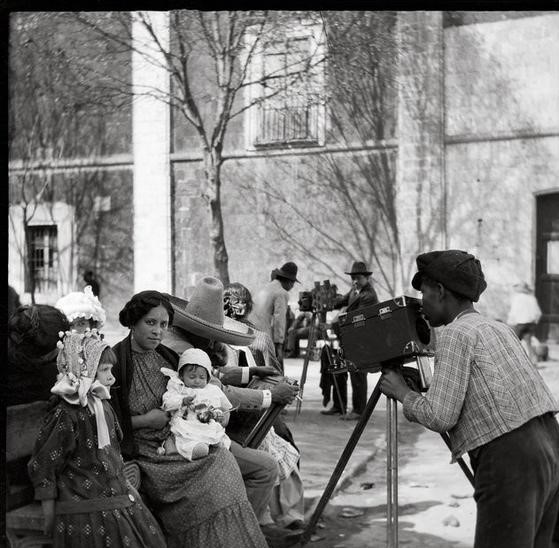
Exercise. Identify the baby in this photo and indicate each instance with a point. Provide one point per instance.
(200, 410)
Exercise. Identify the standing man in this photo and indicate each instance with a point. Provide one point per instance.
(362, 293)
(89, 279)
(494, 404)
(269, 312)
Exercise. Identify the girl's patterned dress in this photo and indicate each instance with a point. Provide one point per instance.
(201, 504)
(95, 506)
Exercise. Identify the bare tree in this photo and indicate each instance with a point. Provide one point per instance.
(210, 60)
(54, 116)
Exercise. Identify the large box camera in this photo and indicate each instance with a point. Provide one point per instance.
(394, 330)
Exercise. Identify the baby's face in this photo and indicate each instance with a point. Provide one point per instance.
(105, 374)
(194, 376)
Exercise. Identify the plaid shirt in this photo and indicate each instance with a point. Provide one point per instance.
(483, 386)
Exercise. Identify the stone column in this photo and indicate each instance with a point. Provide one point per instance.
(420, 169)
(151, 147)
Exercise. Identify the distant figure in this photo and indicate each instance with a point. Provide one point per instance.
(89, 279)
(299, 330)
(269, 313)
(524, 314)
(13, 301)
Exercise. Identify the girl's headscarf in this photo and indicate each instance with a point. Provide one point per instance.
(77, 362)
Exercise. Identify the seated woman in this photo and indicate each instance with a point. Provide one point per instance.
(32, 337)
(199, 503)
(83, 310)
(287, 502)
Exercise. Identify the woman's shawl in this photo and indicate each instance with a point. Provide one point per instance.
(120, 391)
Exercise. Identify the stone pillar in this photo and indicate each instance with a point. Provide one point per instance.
(151, 147)
(420, 196)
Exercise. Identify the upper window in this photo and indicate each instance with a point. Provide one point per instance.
(288, 107)
(42, 258)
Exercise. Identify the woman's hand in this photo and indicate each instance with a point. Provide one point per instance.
(156, 419)
(48, 513)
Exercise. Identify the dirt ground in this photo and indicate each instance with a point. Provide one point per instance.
(436, 508)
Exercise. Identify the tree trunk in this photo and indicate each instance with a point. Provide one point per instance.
(212, 168)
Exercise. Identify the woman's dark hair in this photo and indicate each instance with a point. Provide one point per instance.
(33, 329)
(140, 304)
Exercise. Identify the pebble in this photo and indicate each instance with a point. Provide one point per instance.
(351, 513)
(451, 521)
(454, 504)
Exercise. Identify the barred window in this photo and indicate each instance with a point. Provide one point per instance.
(289, 102)
(42, 258)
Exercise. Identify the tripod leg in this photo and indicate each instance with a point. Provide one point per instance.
(392, 473)
(467, 472)
(339, 394)
(342, 462)
(310, 343)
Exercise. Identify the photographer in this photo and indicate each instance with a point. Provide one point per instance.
(493, 403)
(361, 294)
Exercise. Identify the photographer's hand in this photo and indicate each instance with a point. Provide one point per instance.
(393, 385)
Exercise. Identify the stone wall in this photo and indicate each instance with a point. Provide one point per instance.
(502, 143)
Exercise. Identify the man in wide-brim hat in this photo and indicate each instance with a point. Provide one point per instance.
(492, 401)
(269, 312)
(201, 323)
(362, 293)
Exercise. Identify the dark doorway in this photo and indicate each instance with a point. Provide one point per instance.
(547, 264)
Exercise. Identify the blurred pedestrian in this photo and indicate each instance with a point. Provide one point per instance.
(524, 314)
(270, 306)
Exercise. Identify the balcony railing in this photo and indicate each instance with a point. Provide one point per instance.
(288, 124)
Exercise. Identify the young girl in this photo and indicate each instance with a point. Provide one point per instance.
(201, 410)
(83, 310)
(76, 468)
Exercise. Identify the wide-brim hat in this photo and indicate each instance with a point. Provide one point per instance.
(203, 315)
(288, 271)
(359, 267)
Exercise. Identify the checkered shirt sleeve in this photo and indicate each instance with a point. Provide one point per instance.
(484, 385)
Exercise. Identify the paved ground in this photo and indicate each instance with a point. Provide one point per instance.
(436, 508)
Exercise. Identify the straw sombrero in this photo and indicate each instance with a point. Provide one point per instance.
(203, 315)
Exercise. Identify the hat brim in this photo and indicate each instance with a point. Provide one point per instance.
(366, 273)
(416, 281)
(231, 332)
(281, 274)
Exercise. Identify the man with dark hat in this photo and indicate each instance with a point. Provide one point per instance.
(269, 312)
(494, 404)
(362, 293)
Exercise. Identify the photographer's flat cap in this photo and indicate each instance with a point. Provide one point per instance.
(288, 271)
(359, 267)
(457, 270)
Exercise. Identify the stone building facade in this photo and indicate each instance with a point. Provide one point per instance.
(474, 145)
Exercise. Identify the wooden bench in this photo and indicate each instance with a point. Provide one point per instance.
(24, 516)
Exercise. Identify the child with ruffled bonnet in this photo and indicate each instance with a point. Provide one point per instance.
(82, 309)
(200, 410)
(76, 467)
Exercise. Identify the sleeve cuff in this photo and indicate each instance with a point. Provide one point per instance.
(266, 399)
(245, 375)
(408, 403)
